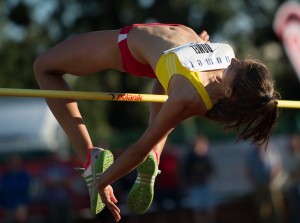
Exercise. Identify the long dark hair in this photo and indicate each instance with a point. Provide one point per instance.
(252, 109)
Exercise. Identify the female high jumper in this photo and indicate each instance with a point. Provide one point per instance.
(200, 78)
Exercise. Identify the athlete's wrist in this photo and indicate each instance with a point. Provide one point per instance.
(100, 185)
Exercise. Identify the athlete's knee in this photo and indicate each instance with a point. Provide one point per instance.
(41, 68)
(38, 66)
(37, 69)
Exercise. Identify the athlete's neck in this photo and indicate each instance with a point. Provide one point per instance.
(212, 81)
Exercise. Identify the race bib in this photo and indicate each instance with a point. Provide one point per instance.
(204, 56)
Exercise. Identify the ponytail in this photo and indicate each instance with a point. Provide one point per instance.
(252, 110)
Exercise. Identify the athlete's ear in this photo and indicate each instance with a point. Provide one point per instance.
(204, 35)
(228, 92)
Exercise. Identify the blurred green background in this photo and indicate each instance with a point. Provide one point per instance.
(29, 27)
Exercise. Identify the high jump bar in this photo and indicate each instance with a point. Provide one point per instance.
(106, 96)
(101, 96)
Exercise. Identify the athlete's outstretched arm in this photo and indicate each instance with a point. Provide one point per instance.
(154, 110)
(171, 113)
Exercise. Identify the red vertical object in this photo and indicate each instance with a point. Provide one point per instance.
(287, 27)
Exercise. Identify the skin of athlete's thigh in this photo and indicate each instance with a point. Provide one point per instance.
(83, 54)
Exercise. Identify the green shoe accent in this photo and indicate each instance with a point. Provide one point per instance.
(141, 195)
(104, 160)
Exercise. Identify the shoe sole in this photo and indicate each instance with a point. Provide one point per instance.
(104, 160)
(141, 195)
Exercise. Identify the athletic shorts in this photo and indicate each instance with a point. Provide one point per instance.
(130, 64)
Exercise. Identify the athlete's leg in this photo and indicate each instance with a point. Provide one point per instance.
(80, 56)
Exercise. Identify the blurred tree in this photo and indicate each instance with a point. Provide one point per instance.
(19, 14)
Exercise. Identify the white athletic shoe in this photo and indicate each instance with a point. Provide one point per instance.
(100, 160)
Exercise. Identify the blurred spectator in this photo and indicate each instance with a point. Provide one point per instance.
(278, 178)
(292, 187)
(56, 176)
(14, 190)
(261, 173)
(198, 171)
(167, 185)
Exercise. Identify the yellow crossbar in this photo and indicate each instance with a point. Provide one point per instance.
(106, 96)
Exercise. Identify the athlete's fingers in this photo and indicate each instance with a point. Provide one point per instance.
(204, 35)
(115, 211)
(113, 198)
(109, 199)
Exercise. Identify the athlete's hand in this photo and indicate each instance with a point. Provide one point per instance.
(204, 35)
(109, 199)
